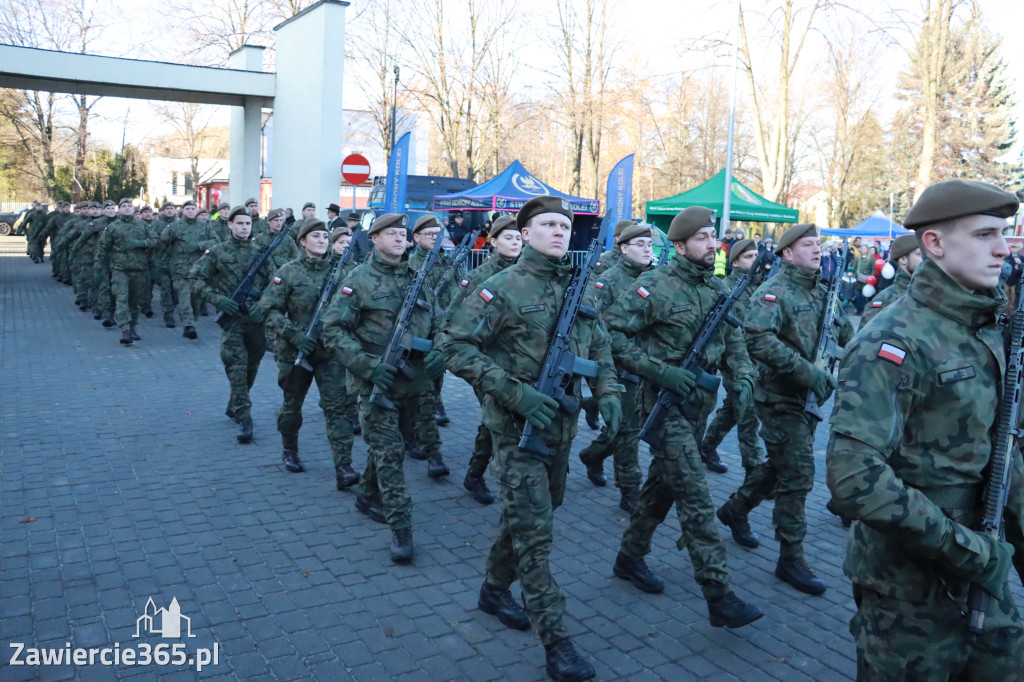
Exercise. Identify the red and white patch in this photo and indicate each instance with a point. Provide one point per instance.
(599, 285)
(464, 282)
(876, 304)
(347, 291)
(770, 298)
(277, 280)
(892, 353)
(206, 252)
(486, 295)
(644, 293)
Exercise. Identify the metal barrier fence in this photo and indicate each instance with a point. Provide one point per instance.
(478, 257)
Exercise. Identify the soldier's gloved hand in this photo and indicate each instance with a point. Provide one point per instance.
(997, 571)
(742, 392)
(538, 408)
(433, 365)
(383, 375)
(226, 305)
(823, 384)
(678, 380)
(307, 344)
(610, 408)
(257, 314)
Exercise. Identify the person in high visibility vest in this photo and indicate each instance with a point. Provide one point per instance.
(721, 256)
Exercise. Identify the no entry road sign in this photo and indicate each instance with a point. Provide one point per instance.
(355, 169)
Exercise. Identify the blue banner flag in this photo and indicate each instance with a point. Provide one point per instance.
(619, 199)
(398, 172)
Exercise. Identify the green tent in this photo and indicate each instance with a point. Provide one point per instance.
(745, 205)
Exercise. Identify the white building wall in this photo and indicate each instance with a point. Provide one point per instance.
(166, 177)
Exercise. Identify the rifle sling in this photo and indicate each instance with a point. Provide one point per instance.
(954, 496)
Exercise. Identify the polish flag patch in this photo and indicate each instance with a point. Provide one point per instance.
(770, 298)
(644, 293)
(206, 252)
(599, 285)
(892, 353)
(876, 304)
(464, 282)
(486, 295)
(347, 291)
(277, 280)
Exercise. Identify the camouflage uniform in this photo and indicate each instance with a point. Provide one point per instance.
(34, 223)
(357, 327)
(886, 296)
(183, 242)
(54, 228)
(242, 341)
(220, 226)
(492, 342)
(126, 244)
(160, 272)
(83, 254)
(652, 324)
(782, 327)
(914, 417)
(68, 235)
(623, 446)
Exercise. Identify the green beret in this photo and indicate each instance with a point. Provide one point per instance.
(543, 204)
(688, 221)
(308, 204)
(237, 211)
(425, 221)
(794, 233)
(633, 232)
(740, 248)
(952, 199)
(901, 246)
(388, 220)
(310, 225)
(505, 222)
(622, 225)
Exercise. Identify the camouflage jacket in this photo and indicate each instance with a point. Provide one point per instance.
(739, 308)
(349, 267)
(608, 260)
(918, 395)
(478, 276)
(160, 257)
(781, 324)
(291, 299)
(886, 296)
(607, 285)
(221, 229)
(88, 237)
(286, 251)
(260, 225)
(222, 267)
(654, 322)
(497, 338)
(69, 233)
(34, 221)
(53, 225)
(184, 241)
(125, 244)
(362, 315)
(444, 297)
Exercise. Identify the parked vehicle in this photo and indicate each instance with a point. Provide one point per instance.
(13, 223)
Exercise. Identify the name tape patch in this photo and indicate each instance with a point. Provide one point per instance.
(892, 353)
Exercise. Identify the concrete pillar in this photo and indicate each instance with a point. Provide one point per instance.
(244, 173)
(307, 106)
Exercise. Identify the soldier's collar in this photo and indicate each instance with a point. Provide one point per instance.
(933, 288)
(388, 268)
(690, 271)
(799, 276)
(535, 262)
(632, 267)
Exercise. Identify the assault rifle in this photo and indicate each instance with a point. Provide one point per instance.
(460, 254)
(245, 291)
(826, 352)
(691, 360)
(561, 365)
(315, 328)
(402, 343)
(776, 266)
(998, 488)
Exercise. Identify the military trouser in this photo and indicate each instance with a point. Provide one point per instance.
(751, 452)
(531, 487)
(242, 345)
(82, 275)
(438, 403)
(903, 641)
(483, 444)
(188, 301)
(335, 401)
(788, 434)
(417, 424)
(35, 247)
(676, 476)
(622, 446)
(129, 288)
(104, 297)
(161, 278)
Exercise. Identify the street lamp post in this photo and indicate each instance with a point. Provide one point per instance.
(394, 104)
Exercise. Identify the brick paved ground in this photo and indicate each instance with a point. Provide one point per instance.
(122, 480)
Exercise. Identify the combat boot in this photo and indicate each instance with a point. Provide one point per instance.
(244, 430)
(843, 518)
(147, 311)
(629, 499)
(799, 575)
(135, 335)
(97, 314)
(401, 546)
(126, 338)
(346, 476)
(416, 452)
(108, 319)
(436, 468)
(190, 332)
(477, 486)
(564, 663)
(591, 413)
(440, 417)
(731, 612)
(740, 527)
(712, 461)
(230, 414)
(169, 320)
(501, 603)
(595, 469)
(356, 427)
(372, 507)
(637, 572)
(290, 457)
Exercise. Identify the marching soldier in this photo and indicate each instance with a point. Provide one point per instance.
(494, 341)
(635, 249)
(357, 327)
(907, 255)
(184, 242)
(242, 341)
(74, 258)
(287, 250)
(125, 245)
(58, 219)
(85, 256)
(782, 326)
(220, 223)
(161, 266)
(911, 445)
(290, 302)
(652, 325)
(341, 237)
(59, 244)
(259, 225)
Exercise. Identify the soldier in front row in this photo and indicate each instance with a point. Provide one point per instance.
(493, 341)
(127, 243)
(911, 445)
(906, 252)
(184, 242)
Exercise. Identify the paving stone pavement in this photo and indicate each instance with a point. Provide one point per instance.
(121, 481)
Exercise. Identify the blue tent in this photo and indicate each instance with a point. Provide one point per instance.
(878, 226)
(508, 192)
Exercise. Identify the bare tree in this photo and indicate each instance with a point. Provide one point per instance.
(190, 122)
(932, 45)
(214, 29)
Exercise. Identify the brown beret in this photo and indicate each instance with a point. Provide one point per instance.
(274, 214)
(741, 247)
(688, 221)
(188, 203)
(901, 246)
(109, 202)
(340, 232)
(203, 210)
(505, 222)
(622, 225)
(952, 199)
(543, 204)
(222, 207)
(251, 200)
(429, 220)
(237, 211)
(121, 201)
(637, 230)
(387, 220)
(308, 204)
(794, 233)
(310, 225)
(145, 208)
